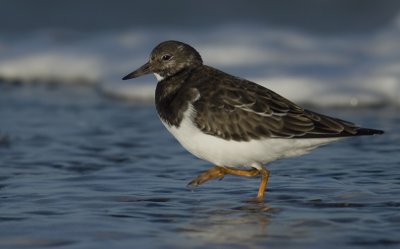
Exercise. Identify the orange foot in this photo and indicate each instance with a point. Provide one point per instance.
(219, 172)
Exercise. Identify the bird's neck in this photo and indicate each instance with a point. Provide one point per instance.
(170, 106)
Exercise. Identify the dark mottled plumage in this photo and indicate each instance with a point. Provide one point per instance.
(230, 107)
(242, 110)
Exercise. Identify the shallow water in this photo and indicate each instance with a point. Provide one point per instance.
(79, 170)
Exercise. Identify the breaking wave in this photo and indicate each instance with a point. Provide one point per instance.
(329, 71)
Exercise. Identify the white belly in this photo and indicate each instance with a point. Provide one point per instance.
(231, 153)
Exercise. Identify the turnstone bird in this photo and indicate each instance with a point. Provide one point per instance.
(236, 124)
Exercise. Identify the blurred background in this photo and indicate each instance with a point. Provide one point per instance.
(344, 52)
(86, 163)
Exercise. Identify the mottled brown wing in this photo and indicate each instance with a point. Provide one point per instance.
(241, 110)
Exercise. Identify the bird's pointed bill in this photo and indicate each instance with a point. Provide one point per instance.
(143, 70)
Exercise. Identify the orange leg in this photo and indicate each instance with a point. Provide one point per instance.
(219, 172)
(263, 184)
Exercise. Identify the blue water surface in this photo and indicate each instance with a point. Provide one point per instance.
(78, 170)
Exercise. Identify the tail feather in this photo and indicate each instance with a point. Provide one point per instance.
(367, 132)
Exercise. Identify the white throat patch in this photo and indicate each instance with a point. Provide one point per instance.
(158, 77)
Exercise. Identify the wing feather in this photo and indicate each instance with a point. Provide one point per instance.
(241, 110)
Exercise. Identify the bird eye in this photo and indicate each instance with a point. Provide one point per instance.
(166, 57)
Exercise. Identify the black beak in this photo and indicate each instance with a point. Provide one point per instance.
(143, 70)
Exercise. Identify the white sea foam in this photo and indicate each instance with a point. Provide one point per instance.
(319, 70)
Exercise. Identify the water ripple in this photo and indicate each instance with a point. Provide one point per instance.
(100, 174)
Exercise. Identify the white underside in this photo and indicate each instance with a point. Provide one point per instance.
(231, 153)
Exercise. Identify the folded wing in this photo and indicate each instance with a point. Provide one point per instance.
(242, 110)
